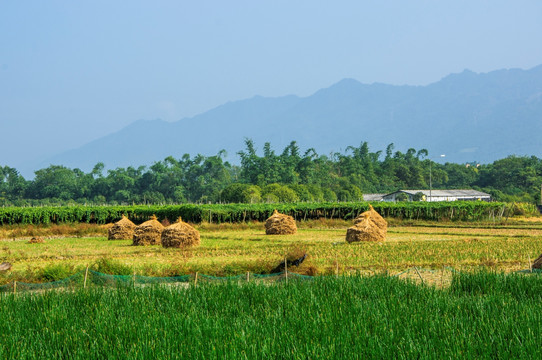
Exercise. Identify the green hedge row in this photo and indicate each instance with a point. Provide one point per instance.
(219, 213)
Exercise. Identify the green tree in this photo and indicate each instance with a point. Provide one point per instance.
(56, 182)
(12, 185)
(302, 191)
(241, 193)
(278, 193)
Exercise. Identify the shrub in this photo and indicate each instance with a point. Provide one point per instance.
(55, 272)
(110, 266)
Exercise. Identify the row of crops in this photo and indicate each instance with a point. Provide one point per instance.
(481, 315)
(219, 213)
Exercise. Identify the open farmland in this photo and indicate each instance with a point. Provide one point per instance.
(484, 310)
(232, 249)
(481, 315)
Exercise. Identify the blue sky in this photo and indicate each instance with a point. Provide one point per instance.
(71, 72)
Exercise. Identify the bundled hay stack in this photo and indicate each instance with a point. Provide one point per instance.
(280, 224)
(538, 263)
(36, 240)
(368, 226)
(374, 217)
(148, 233)
(180, 235)
(364, 231)
(122, 230)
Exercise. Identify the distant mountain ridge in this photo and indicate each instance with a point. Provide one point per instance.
(467, 116)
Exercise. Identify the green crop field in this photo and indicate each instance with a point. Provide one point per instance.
(220, 213)
(433, 289)
(481, 315)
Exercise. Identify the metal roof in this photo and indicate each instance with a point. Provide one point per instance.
(373, 197)
(447, 193)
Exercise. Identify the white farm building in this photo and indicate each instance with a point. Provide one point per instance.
(429, 195)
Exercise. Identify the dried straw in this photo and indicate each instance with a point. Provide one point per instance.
(368, 226)
(180, 235)
(374, 217)
(122, 230)
(148, 233)
(280, 224)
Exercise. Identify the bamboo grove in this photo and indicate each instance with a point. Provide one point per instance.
(290, 176)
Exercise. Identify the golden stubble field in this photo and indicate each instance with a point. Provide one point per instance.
(231, 249)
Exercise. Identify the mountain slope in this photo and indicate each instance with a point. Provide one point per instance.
(467, 116)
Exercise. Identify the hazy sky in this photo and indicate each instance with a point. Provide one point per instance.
(73, 71)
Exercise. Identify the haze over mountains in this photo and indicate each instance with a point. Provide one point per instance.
(467, 116)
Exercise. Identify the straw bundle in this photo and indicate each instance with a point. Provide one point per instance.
(148, 233)
(368, 226)
(180, 235)
(36, 240)
(122, 230)
(373, 217)
(537, 264)
(364, 231)
(280, 224)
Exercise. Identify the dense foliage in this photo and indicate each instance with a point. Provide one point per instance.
(219, 213)
(480, 316)
(290, 176)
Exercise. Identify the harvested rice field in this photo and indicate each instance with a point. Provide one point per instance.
(232, 249)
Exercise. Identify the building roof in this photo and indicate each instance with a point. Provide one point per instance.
(373, 197)
(447, 193)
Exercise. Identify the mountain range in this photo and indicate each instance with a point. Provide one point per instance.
(469, 117)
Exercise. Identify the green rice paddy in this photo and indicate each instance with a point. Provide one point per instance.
(481, 315)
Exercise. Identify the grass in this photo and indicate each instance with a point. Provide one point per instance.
(481, 315)
(230, 249)
(52, 230)
(489, 313)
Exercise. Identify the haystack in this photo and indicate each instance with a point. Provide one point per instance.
(373, 217)
(537, 264)
(180, 235)
(368, 226)
(148, 233)
(280, 224)
(364, 231)
(36, 240)
(122, 230)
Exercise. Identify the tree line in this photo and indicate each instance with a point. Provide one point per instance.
(288, 176)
